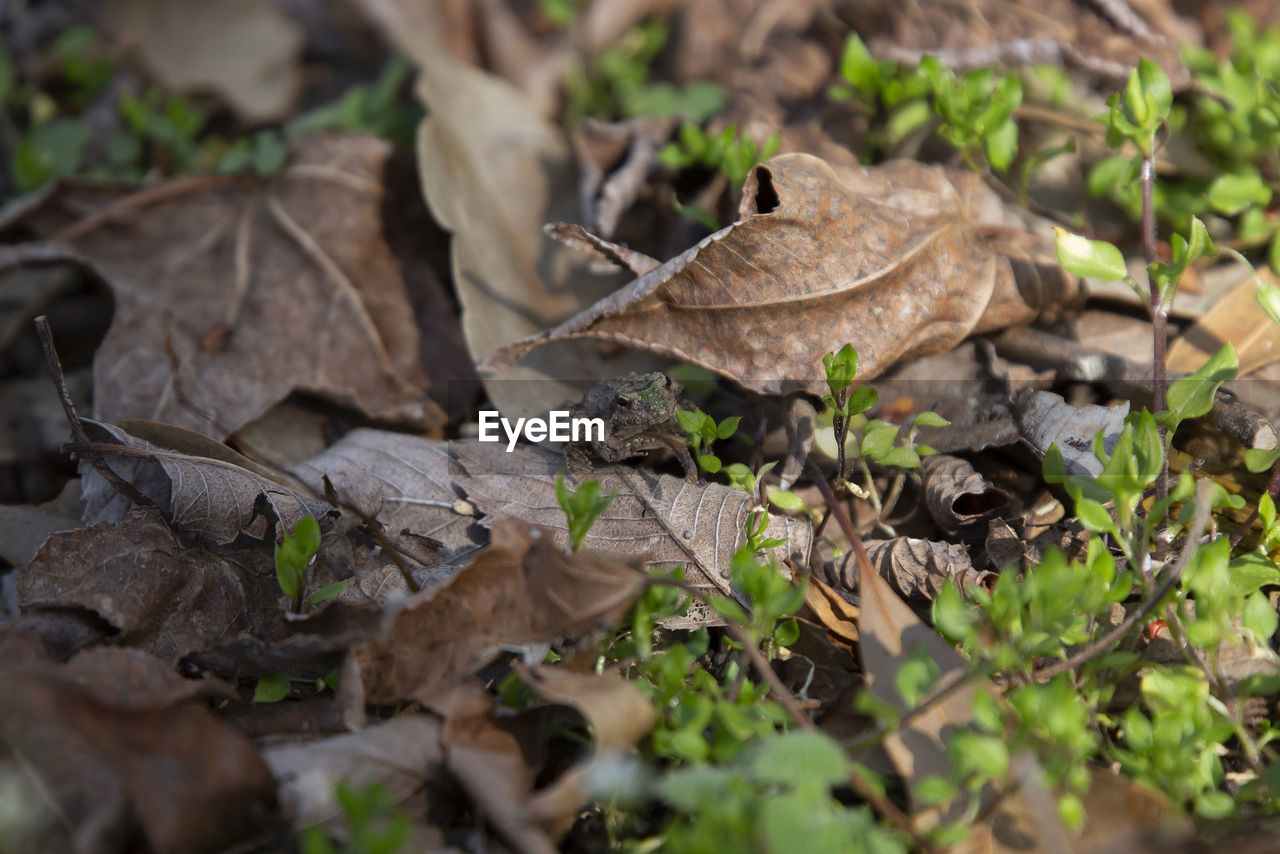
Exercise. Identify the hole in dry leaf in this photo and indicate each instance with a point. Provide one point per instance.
(766, 200)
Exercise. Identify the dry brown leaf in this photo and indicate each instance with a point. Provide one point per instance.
(118, 747)
(1235, 319)
(247, 51)
(209, 498)
(617, 711)
(522, 589)
(486, 757)
(1124, 816)
(151, 591)
(888, 260)
(493, 171)
(837, 615)
(24, 527)
(956, 495)
(442, 489)
(231, 295)
(915, 568)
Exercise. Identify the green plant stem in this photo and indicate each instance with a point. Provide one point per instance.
(1204, 496)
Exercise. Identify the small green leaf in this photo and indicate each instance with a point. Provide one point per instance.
(860, 400)
(1192, 396)
(729, 609)
(691, 421)
(1094, 516)
(798, 758)
(930, 419)
(728, 427)
(1267, 294)
(1091, 259)
(1259, 617)
(271, 688)
(1232, 192)
(787, 633)
(329, 591)
(785, 499)
(709, 462)
(1002, 145)
(1258, 460)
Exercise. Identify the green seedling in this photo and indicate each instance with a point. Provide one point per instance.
(730, 153)
(582, 508)
(294, 555)
(704, 431)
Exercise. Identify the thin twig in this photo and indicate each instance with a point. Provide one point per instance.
(127, 489)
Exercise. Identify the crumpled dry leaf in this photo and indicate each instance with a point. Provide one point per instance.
(438, 489)
(915, 568)
(211, 498)
(151, 590)
(119, 747)
(889, 260)
(1044, 418)
(486, 757)
(24, 527)
(247, 51)
(956, 495)
(522, 589)
(230, 295)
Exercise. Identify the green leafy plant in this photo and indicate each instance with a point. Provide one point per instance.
(379, 107)
(703, 431)
(294, 554)
(869, 440)
(582, 508)
(728, 151)
(976, 112)
(616, 84)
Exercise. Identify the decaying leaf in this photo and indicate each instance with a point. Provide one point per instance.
(247, 51)
(151, 591)
(889, 260)
(210, 498)
(493, 170)
(956, 495)
(522, 589)
(120, 748)
(442, 489)
(1044, 419)
(230, 295)
(915, 568)
(487, 759)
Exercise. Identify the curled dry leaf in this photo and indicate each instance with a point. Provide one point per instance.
(889, 260)
(915, 568)
(210, 498)
(232, 294)
(956, 495)
(118, 746)
(1045, 419)
(522, 589)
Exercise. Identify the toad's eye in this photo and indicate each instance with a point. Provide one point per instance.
(666, 381)
(624, 402)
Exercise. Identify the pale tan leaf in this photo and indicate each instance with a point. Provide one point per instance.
(247, 51)
(1234, 319)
